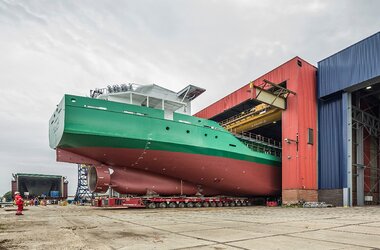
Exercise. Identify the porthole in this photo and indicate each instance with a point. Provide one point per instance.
(199, 121)
(205, 134)
(216, 137)
(188, 131)
(167, 128)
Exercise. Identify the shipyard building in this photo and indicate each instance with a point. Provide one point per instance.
(326, 120)
(40, 185)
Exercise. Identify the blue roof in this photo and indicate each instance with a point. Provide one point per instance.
(358, 63)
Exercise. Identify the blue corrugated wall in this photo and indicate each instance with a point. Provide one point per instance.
(350, 66)
(331, 165)
(347, 68)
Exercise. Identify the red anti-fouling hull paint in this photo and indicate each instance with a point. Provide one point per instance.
(215, 174)
(133, 181)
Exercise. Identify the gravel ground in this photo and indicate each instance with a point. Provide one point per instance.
(75, 227)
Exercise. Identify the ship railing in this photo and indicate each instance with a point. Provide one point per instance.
(259, 139)
(260, 143)
(263, 149)
(116, 88)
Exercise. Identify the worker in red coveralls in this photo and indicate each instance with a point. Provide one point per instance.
(19, 203)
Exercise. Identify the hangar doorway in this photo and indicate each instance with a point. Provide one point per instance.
(366, 145)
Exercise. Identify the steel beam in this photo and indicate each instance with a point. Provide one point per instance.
(347, 148)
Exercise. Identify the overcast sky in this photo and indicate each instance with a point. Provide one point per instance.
(49, 48)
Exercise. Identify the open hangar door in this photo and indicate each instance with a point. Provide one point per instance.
(256, 122)
(366, 145)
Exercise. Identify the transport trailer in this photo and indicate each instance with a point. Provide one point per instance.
(171, 202)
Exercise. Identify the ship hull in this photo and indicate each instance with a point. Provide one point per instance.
(214, 175)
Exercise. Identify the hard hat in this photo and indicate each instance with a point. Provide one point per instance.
(17, 192)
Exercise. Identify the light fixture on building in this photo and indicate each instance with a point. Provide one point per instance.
(368, 87)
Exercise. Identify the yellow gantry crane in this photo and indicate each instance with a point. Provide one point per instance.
(273, 101)
(256, 117)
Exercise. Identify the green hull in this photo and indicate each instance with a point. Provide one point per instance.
(86, 122)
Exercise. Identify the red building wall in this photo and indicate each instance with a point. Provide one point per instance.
(299, 168)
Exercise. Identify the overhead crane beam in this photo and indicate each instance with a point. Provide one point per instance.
(273, 98)
(252, 119)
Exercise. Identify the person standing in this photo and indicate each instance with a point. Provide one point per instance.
(19, 203)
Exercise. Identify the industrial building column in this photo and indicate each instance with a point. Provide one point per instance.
(347, 148)
(359, 167)
(359, 160)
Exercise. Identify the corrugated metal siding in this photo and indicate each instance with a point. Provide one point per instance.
(331, 165)
(299, 169)
(353, 65)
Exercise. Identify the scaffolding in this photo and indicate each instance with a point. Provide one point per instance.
(83, 193)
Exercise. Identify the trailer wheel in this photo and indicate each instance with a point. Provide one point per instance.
(162, 204)
(212, 204)
(172, 205)
(190, 204)
(198, 204)
(181, 205)
(206, 204)
(151, 205)
(232, 204)
(219, 204)
(249, 203)
(238, 203)
(244, 203)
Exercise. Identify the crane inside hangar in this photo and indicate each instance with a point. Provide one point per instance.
(268, 100)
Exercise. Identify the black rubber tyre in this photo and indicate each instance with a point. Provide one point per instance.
(198, 204)
(232, 204)
(190, 204)
(205, 204)
(219, 204)
(212, 204)
(151, 205)
(181, 205)
(163, 205)
(172, 205)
